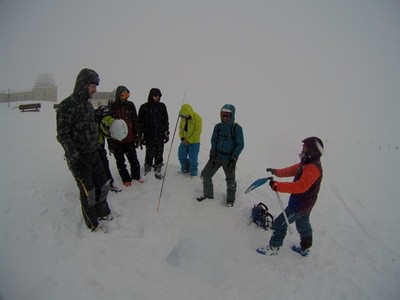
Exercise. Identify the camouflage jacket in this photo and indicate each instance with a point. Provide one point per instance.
(77, 130)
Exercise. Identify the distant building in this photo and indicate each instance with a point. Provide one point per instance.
(102, 98)
(45, 89)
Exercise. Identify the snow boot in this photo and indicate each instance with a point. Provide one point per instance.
(269, 250)
(302, 252)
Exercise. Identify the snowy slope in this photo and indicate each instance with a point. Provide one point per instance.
(191, 250)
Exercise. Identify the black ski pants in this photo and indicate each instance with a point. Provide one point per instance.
(93, 187)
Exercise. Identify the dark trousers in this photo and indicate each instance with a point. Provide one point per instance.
(303, 227)
(93, 187)
(154, 151)
(209, 171)
(104, 159)
(128, 150)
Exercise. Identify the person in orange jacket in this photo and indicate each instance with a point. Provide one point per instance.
(304, 193)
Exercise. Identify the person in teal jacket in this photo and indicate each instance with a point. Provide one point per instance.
(190, 128)
(227, 142)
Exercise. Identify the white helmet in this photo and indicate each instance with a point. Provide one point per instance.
(119, 129)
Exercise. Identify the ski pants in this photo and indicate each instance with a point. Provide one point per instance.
(209, 171)
(93, 187)
(127, 149)
(104, 159)
(303, 227)
(191, 151)
(154, 150)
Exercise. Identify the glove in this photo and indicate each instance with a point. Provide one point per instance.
(166, 137)
(273, 185)
(213, 160)
(74, 158)
(272, 171)
(142, 140)
(232, 162)
(137, 141)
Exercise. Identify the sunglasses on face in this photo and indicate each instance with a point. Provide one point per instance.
(226, 115)
(157, 95)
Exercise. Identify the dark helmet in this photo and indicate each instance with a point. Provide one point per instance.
(314, 149)
(101, 112)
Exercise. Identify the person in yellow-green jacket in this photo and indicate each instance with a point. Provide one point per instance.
(190, 127)
(104, 120)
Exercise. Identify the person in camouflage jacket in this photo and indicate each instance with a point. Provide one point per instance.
(77, 132)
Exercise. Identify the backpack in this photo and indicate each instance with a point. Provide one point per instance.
(261, 216)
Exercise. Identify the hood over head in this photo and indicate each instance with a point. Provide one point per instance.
(153, 91)
(186, 110)
(231, 109)
(120, 89)
(84, 78)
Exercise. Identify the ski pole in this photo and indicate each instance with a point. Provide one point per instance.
(284, 213)
(169, 154)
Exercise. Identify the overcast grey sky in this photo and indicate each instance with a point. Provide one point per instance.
(302, 66)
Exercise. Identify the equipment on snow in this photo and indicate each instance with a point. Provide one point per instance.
(119, 129)
(159, 176)
(261, 216)
(262, 181)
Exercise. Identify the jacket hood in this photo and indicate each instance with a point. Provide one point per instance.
(186, 110)
(229, 108)
(120, 89)
(153, 91)
(84, 78)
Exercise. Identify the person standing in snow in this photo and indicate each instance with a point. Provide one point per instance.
(78, 134)
(227, 142)
(304, 193)
(124, 109)
(104, 121)
(190, 128)
(154, 126)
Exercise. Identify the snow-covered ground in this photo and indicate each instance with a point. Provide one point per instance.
(191, 250)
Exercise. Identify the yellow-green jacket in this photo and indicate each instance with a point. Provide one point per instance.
(104, 129)
(194, 125)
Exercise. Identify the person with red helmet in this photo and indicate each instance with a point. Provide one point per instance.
(304, 193)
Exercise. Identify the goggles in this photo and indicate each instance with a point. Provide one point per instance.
(225, 114)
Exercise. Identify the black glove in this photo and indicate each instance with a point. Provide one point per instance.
(166, 137)
(272, 171)
(137, 141)
(232, 162)
(272, 185)
(142, 140)
(74, 158)
(213, 160)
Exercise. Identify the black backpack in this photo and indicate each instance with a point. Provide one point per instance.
(261, 216)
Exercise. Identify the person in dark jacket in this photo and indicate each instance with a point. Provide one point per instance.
(78, 134)
(304, 193)
(227, 143)
(102, 115)
(124, 109)
(154, 127)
